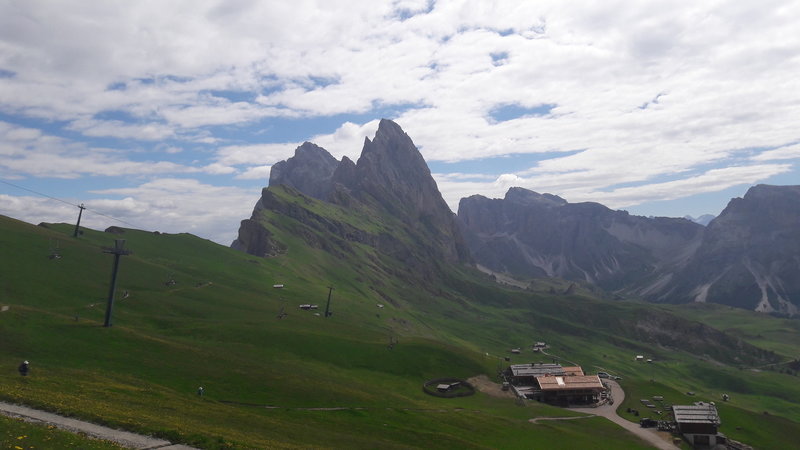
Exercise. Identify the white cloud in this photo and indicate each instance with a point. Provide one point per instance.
(347, 140)
(36, 209)
(122, 130)
(642, 92)
(787, 152)
(713, 180)
(24, 151)
(180, 205)
(218, 169)
(255, 154)
(255, 173)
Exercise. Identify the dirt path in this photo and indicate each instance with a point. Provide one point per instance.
(541, 419)
(660, 440)
(488, 387)
(123, 438)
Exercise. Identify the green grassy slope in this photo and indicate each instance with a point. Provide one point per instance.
(19, 435)
(267, 378)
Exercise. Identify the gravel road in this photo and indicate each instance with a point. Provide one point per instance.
(123, 438)
(651, 435)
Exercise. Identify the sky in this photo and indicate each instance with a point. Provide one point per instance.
(167, 115)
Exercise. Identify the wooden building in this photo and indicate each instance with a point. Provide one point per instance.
(554, 384)
(699, 424)
(570, 389)
(525, 374)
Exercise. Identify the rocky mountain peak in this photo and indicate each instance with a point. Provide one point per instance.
(393, 172)
(748, 257)
(528, 197)
(309, 171)
(390, 177)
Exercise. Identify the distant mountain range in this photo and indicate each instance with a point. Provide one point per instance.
(748, 256)
(703, 220)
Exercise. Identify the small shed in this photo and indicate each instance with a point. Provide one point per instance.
(444, 387)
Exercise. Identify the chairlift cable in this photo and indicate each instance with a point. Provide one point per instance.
(69, 203)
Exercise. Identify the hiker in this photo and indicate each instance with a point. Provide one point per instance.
(200, 391)
(24, 368)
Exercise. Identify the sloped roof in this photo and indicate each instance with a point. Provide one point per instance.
(552, 383)
(533, 370)
(699, 413)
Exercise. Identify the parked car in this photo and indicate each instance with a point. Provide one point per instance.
(602, 374)
(647, 422)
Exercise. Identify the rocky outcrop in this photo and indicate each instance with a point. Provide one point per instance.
(309, 171)
(256, 240)
(390, 184)
(750, 255)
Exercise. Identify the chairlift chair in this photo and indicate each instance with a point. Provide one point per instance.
(54, 253)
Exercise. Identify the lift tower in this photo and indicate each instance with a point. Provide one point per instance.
(117, 251)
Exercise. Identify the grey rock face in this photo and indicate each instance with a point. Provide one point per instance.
(392, 174)
(748, 257)
(532, 234)
(750, 254)
(391, 177)
(309, 171)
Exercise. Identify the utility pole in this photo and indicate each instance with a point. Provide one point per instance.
(117, 251)
(328, 306)
(77, 225)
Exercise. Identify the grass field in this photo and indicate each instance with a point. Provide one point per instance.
(306, 381)
(17, 434)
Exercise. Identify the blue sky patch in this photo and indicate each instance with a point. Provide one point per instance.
(515, 111)
(499, 58)
(405, 13)
(497, 165)
(232, 96)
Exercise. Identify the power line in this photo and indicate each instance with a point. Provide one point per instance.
(71, 204)
(37, 193)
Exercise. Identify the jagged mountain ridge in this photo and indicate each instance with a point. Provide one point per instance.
(750, 254)
(734, 260)
(390, 184)
(530, 234)
(746, 257)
